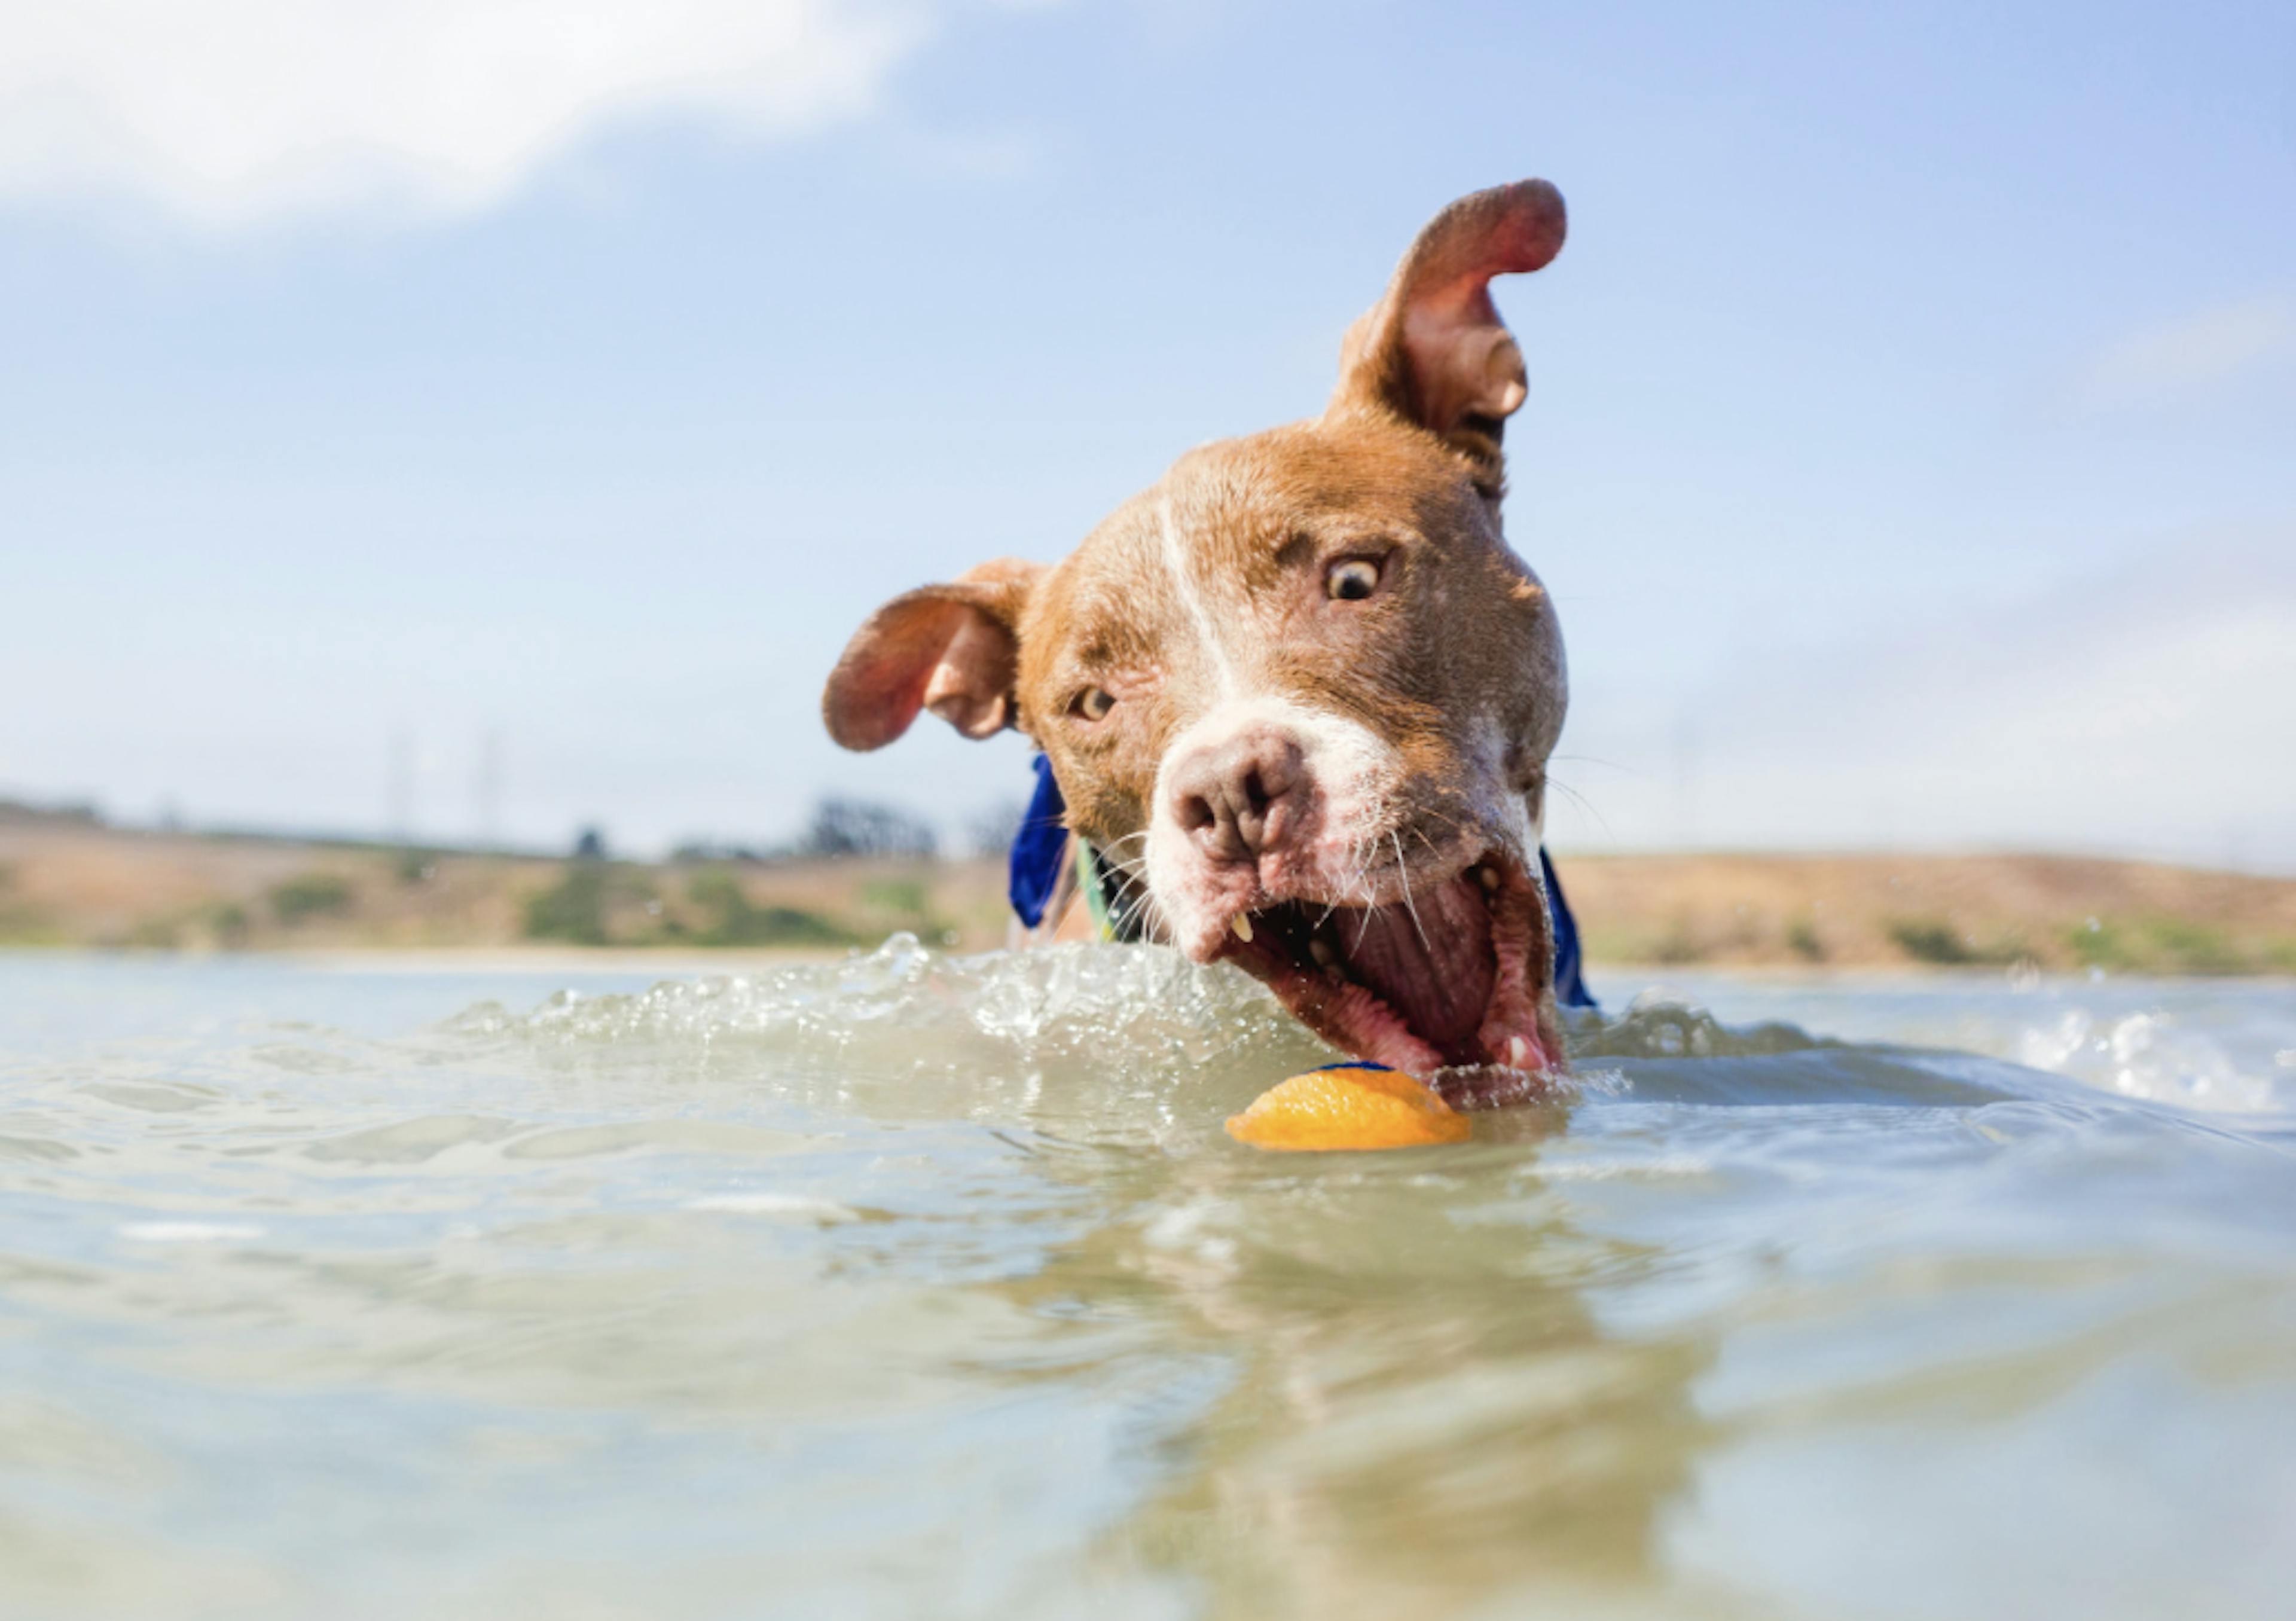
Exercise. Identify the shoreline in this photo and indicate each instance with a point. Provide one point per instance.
(676, 964)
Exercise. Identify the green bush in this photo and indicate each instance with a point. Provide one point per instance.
(572, 909)
(902, 896)
(229, 922)
(1935, 941)
(2173, 945)
(311, 894)
(2197, 948)
(735, 919)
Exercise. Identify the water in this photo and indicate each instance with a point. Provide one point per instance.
(917, 1286)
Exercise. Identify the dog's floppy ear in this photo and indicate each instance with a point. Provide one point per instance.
(1433, 350)
(952, 649)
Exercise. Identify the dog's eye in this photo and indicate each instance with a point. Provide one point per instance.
(1093, 703)
(1351, 580)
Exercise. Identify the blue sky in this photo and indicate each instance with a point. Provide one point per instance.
(1911, 446)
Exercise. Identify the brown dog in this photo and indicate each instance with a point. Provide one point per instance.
(1300, 695)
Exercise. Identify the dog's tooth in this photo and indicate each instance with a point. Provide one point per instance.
(1518, 1053)
(1320, 948)
(1489, 879)
(1241, 924)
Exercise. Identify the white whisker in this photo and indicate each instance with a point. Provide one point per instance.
(1404, 872)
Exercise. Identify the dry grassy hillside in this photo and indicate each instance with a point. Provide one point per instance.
(1859, 911)
(75, 884)
(81, 885)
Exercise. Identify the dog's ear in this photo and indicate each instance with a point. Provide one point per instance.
(1433, 350)
(952, 649)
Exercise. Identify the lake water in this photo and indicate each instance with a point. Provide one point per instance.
(921, 1286)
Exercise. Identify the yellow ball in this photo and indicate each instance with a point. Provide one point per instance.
(1351, 1107)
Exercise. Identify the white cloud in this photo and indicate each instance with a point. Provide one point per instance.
(2191, 354)
(231, 110)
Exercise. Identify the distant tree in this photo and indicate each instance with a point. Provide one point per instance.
(76, 815)
(694, 852)
(856, 827)
(591, 845)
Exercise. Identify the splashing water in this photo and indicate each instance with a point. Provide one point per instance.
(921, 1285)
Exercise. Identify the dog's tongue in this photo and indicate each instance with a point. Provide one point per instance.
(1437, 973)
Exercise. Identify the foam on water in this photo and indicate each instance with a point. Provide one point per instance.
(2219, 1046)
(981, 1035)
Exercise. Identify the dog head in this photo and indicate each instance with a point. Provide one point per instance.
(1301, 693)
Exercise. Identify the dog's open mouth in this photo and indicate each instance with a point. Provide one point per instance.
(1457, 979)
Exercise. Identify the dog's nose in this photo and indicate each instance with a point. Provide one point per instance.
(1240, 797)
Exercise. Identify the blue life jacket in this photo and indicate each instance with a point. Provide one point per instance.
(1040, 847)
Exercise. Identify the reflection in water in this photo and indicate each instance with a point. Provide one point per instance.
(1407, 1423)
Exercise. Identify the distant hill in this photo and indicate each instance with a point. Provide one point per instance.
(1860, 910)
(67, 881)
